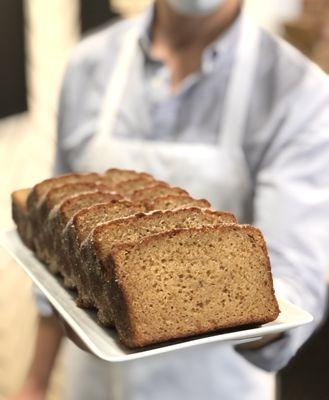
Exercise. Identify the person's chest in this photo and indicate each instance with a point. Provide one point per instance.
(150, 110)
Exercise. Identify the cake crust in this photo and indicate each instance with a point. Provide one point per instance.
(173, 201)
(126, 188)
(114, 176)
(159, 189)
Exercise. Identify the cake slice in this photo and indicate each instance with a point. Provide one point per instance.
(172, 201)
(76, 232)
(62, 213)
(40, 190)
(126, 188)
(21, 217)
(159, 189)
(113, 176)
(97, 248)
(42, 236)
(189, 282)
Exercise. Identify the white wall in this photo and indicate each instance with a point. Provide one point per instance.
(271, 13)
(52, 30)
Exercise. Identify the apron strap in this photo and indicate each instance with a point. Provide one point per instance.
(237, 101)
(117, 84)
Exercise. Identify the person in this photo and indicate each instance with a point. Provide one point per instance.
(194, 93)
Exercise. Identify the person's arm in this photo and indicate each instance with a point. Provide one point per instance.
(50, 327)
(291, 207)
(48, 341)
(76, 122)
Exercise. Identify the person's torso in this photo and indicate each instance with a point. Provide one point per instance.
(186, 123)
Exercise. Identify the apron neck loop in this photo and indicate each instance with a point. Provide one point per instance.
(116, 86)
(241, 81)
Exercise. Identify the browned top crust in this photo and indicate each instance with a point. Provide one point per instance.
(250, 230)
(156, 190)
(41, 189)
(126, 188)
(171, 201)
(56, 195)
(227, 217)
(113, 176)
(68, 206)
(78, 220)
(151, 223)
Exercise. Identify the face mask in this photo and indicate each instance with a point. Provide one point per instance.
(195, 7)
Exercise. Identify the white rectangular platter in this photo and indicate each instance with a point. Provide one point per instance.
(104, 342)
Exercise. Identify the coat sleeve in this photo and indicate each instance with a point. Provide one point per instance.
(291, 207)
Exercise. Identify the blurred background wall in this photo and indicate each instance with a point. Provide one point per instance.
(36, 38)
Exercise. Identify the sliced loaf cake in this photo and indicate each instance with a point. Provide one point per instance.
(189, 282)
(40, 190)
(54, 197)
(97, 248)
(78, 229)
(157, 275)
(60, 216)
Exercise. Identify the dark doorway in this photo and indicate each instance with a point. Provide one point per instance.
(95, 13)
(12, 58)
(307, 375)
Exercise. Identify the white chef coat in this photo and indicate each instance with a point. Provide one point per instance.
(285, 143)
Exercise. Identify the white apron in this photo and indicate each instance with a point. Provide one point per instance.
(218, 173)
